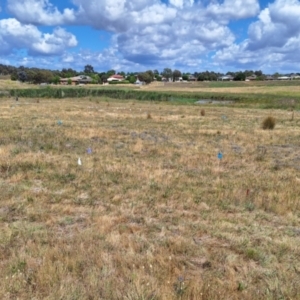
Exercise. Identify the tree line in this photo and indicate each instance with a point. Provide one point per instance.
(37, 75)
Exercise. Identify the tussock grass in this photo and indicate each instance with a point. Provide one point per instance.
(269, 123)
(151, 213)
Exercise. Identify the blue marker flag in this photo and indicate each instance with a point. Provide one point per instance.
(89, 150)
(220, 155)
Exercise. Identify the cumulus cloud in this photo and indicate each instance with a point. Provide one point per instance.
(181, 3)
(145, 32)
(14, 35)
(54, 43)
(39, 12)
(156, 32)
(277, 25)
(273, 40)
(233, 9)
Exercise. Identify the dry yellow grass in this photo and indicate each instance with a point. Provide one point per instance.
(9, 84)
(251, 89)
(151, 213)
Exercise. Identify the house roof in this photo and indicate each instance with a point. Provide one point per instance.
(283, 77)
(80, 78)
(117, 76)
(226, 77)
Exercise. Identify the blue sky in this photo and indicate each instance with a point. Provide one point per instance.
(138, 35)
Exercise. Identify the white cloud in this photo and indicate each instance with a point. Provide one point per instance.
(181, 3)
(39, 12)
(273, 41)
(160, 33)
(145, 32)
(234, 9)
(277, 25)
(14, 35)
(54, 43)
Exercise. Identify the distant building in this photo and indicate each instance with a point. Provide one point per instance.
(115, 77)
(226, 78)
(269, 77)
(295, 76)
(284, 78)
(81, 79)
(192, 78)
(252, 77)
(138, 82)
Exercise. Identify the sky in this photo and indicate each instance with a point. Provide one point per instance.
(140, 35)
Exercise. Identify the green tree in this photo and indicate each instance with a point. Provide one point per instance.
(258, 73)
(158, 77)
(110, 73)
(96, 78)
(88, 69)
(42, 76)
(131, 79)
(55, 79)
(22, 76)
(185, 77)
(240, 76)
(167, 73)
(30, 75)
(103, 77)
(150, 72)
(201, 77)
(145, 77)
(213, 76)
(14, 77)
(176, 75)
(66, 73)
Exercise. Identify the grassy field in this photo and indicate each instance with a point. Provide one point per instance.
(151, 213)
(283, 88)
(262, 94)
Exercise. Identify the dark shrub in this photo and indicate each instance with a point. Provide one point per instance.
(269, 123)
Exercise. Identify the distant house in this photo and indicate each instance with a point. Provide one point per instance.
(252, 77)
(81, 79)
(115, 77)
(226, 78)
(294, 76)
(192, 78)
(284, 78)
(138, 82)
(269, 77)
(164, 79)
